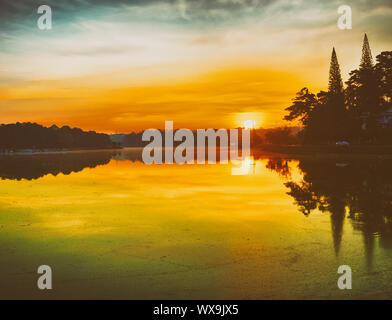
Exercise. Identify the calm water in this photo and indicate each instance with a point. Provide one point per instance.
(113, 227)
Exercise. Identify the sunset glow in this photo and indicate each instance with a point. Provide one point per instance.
(249, 124)
(195, 154)
(131, 67)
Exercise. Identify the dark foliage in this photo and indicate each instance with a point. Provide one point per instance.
(34, 136)
(18, 167)
(360, 113)
(281, 136)
(359, 190)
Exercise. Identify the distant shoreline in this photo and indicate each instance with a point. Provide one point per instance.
(327, 149)
(283, 150)
(29, 151)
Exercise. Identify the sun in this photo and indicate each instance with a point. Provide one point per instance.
(248, 120)
(249, 124)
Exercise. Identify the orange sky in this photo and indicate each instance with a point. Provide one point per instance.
(131, 68)
(217, 99)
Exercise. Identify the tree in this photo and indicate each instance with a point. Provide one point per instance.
(351, 114)
(318, 127)
(281, 136)
(34, 136)
(335, 86)
(327, 121)
(336, 117)
(363, 94)
(383, 70)
(367, 59)
(302, 106)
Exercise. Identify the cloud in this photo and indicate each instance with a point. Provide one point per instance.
(95, 37)
(97, 45)
(22, 14)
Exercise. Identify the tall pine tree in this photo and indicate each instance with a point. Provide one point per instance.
(336, 109)
(367, 59)
(351, 114)
(335, 86)
(363, 96)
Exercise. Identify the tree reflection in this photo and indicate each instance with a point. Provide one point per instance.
(37, 165)
(30, 167)
(359, 189)
(280, 166)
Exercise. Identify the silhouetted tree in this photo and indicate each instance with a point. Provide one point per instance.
(354, 114)
(363, 94)
(34, 136)
(383, 69)
(335, 86)
(336, 116)
(367, 58)
(302, 106)
(281, 136)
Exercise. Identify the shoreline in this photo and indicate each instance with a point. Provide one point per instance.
(295, 151)
(326, 150)
(28, 151)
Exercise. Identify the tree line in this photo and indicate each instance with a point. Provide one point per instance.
(34, 136)
(357, 113)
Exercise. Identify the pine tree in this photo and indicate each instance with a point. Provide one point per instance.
(363, 94)
(335, 78)
(335, 115)
(367, 59)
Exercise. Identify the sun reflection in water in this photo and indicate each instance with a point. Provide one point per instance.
(247, 167)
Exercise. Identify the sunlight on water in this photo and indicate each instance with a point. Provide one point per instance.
(123, 229)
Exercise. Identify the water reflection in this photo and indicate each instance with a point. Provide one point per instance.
(153, 228)
(246, 167)
(34, 166)
(360, 190)
(37, 165)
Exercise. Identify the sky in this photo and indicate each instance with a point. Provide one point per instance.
(121, 66)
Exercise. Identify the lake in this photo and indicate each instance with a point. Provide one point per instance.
(275, 227)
